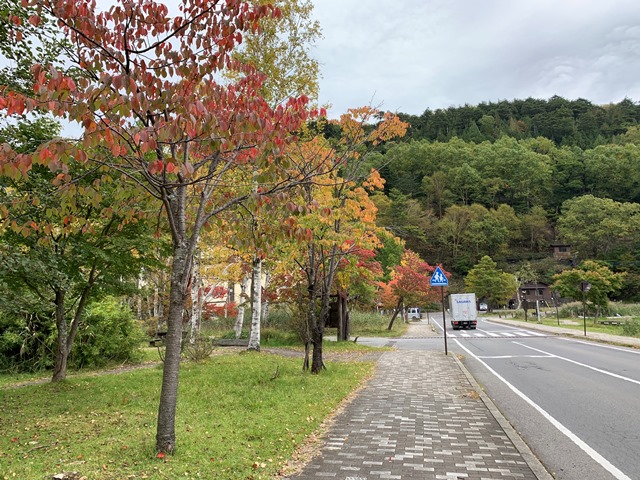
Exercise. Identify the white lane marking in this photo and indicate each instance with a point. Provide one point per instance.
(436, 322)
(484, 334)
(599, 370)
(572, 436)
(513, 356)
(529, 332)
(610, 347)
(537, 334)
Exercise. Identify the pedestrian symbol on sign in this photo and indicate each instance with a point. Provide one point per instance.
(438, 279)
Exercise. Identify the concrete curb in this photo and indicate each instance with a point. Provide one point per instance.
(528, 456)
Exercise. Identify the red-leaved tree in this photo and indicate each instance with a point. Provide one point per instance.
(410, 284)
(147, 97)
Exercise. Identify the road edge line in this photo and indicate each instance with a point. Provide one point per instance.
(527, 454)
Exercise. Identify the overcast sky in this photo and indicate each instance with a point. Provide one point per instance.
(410, 55)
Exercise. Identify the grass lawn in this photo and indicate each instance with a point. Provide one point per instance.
(234, 421)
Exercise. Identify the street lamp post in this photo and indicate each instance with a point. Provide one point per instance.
(523, 299)
(585, 287)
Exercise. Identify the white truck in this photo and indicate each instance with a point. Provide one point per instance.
(463, 310)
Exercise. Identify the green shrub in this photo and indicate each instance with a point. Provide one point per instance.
(200, 350)
(631, 328)
(571, 310)
(150, 326)
(109, 333)
(24, 345)
(624, 309)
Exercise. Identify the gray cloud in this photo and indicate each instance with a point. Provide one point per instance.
(410, 55)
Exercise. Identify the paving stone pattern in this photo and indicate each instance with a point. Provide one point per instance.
(418, 418)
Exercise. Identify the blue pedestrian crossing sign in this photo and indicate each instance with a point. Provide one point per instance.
(439, 279)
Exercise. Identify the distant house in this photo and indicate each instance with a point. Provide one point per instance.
(561, 251)
(536, 291)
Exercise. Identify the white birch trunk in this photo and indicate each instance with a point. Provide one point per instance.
(256, 299)
(265, 304)
(156, 301)
(240, 317)
(227, 300)
(139, 297)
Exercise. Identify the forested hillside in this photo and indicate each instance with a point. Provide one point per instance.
(566, 122)
(511, 178)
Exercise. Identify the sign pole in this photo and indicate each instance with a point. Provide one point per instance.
(439, 279)
(444, 321)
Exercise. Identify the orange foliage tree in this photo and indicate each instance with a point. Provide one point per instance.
(333, 216)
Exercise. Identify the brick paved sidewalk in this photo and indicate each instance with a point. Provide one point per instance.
(418, 418)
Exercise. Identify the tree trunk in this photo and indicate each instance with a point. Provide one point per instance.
(227, 300)
(305, 362)
(343, 316)
(340, 318)
(256, 306)
(67, 334)
(264, 315)
(139, 296)
(165, 436)
(196, 303)
(240, 316)
(395, 313)
(311, 316)
(317, 362)
(61, 352)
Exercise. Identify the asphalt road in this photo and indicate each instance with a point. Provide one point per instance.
(575, 403)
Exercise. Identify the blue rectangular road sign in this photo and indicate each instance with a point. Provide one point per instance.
(439, 279)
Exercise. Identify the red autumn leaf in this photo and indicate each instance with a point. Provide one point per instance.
(160, 455)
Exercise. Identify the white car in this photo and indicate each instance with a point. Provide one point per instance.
(483, 307)
(413, 312)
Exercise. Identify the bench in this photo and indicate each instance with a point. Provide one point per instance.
(614, 320)
(610, 322)
(159, 339)
(231, 342)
